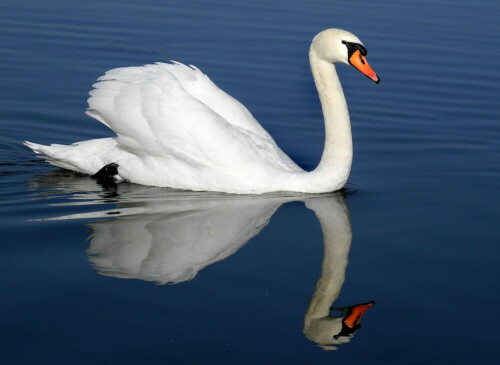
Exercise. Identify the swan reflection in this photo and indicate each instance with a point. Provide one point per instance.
(170, 241)
(168, 236)
(320, 325)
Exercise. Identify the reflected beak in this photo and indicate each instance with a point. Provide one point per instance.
(355, 312)
(359, 61)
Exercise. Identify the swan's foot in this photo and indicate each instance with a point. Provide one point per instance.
(107, 173)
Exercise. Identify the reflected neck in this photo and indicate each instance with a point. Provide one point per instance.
(337, 237)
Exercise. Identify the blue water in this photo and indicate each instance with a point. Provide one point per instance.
(83, 266)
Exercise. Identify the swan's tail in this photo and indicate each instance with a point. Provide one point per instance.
(49, 153)
(86, 157)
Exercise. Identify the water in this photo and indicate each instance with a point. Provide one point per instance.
(255, 276)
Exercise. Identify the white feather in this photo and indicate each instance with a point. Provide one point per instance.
(175, 128)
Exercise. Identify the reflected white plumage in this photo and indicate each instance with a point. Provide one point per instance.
(175, 128)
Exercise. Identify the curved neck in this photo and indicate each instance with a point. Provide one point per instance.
(319, 325)
(335, 165)
(333, 216)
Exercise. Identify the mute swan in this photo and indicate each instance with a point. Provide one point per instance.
(175, 128)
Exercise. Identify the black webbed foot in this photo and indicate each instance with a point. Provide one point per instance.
(106, 174)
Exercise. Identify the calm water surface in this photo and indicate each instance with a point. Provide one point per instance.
(253, 278)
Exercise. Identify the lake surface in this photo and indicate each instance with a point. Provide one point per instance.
(252, 279)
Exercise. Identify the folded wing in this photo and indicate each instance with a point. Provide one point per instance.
(175, 110)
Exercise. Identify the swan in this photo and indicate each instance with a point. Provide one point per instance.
(175, 128)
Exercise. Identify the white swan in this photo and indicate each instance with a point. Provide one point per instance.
(175, 128)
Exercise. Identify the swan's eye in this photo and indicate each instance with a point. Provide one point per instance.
(353, 47)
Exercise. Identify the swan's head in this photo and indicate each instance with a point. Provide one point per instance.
(340, 46)
(335, 330)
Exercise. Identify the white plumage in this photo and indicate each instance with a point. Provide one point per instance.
(175, 128)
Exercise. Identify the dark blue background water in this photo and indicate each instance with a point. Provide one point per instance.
(425, 219)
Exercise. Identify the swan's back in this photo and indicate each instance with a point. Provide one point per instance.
(169, 78)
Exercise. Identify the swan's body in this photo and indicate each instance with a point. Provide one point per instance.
(175, 128)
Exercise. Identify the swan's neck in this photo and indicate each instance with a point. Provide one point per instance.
(335, 165)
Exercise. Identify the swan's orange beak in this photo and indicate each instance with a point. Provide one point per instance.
(354, 317)
(359, 61)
